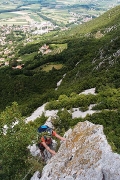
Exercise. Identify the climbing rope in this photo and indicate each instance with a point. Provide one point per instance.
(27, 173)
(30, 170)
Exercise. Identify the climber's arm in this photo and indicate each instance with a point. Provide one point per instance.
(47, 148)
(58, 136)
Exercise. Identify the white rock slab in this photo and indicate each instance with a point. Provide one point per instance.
(89, 91)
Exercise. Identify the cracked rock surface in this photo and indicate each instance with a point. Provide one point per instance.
(85, 155)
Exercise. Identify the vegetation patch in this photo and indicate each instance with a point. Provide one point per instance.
(57, 48)
(47, 67)
(62, 46)
(28, 57)
(72, 102)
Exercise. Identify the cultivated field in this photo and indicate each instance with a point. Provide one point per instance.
(59, 11)
(49, 67)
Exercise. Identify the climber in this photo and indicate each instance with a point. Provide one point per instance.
(45, 141)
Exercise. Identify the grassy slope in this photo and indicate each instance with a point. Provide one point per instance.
(95, 24)
(86, 50)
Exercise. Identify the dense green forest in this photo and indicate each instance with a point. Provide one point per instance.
(90, 58)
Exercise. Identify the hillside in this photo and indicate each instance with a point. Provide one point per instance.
(86, 52)
(87, 56)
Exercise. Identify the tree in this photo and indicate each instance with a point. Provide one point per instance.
(63, 120)
(14, 140)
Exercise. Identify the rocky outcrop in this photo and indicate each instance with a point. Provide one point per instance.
(85, 155)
